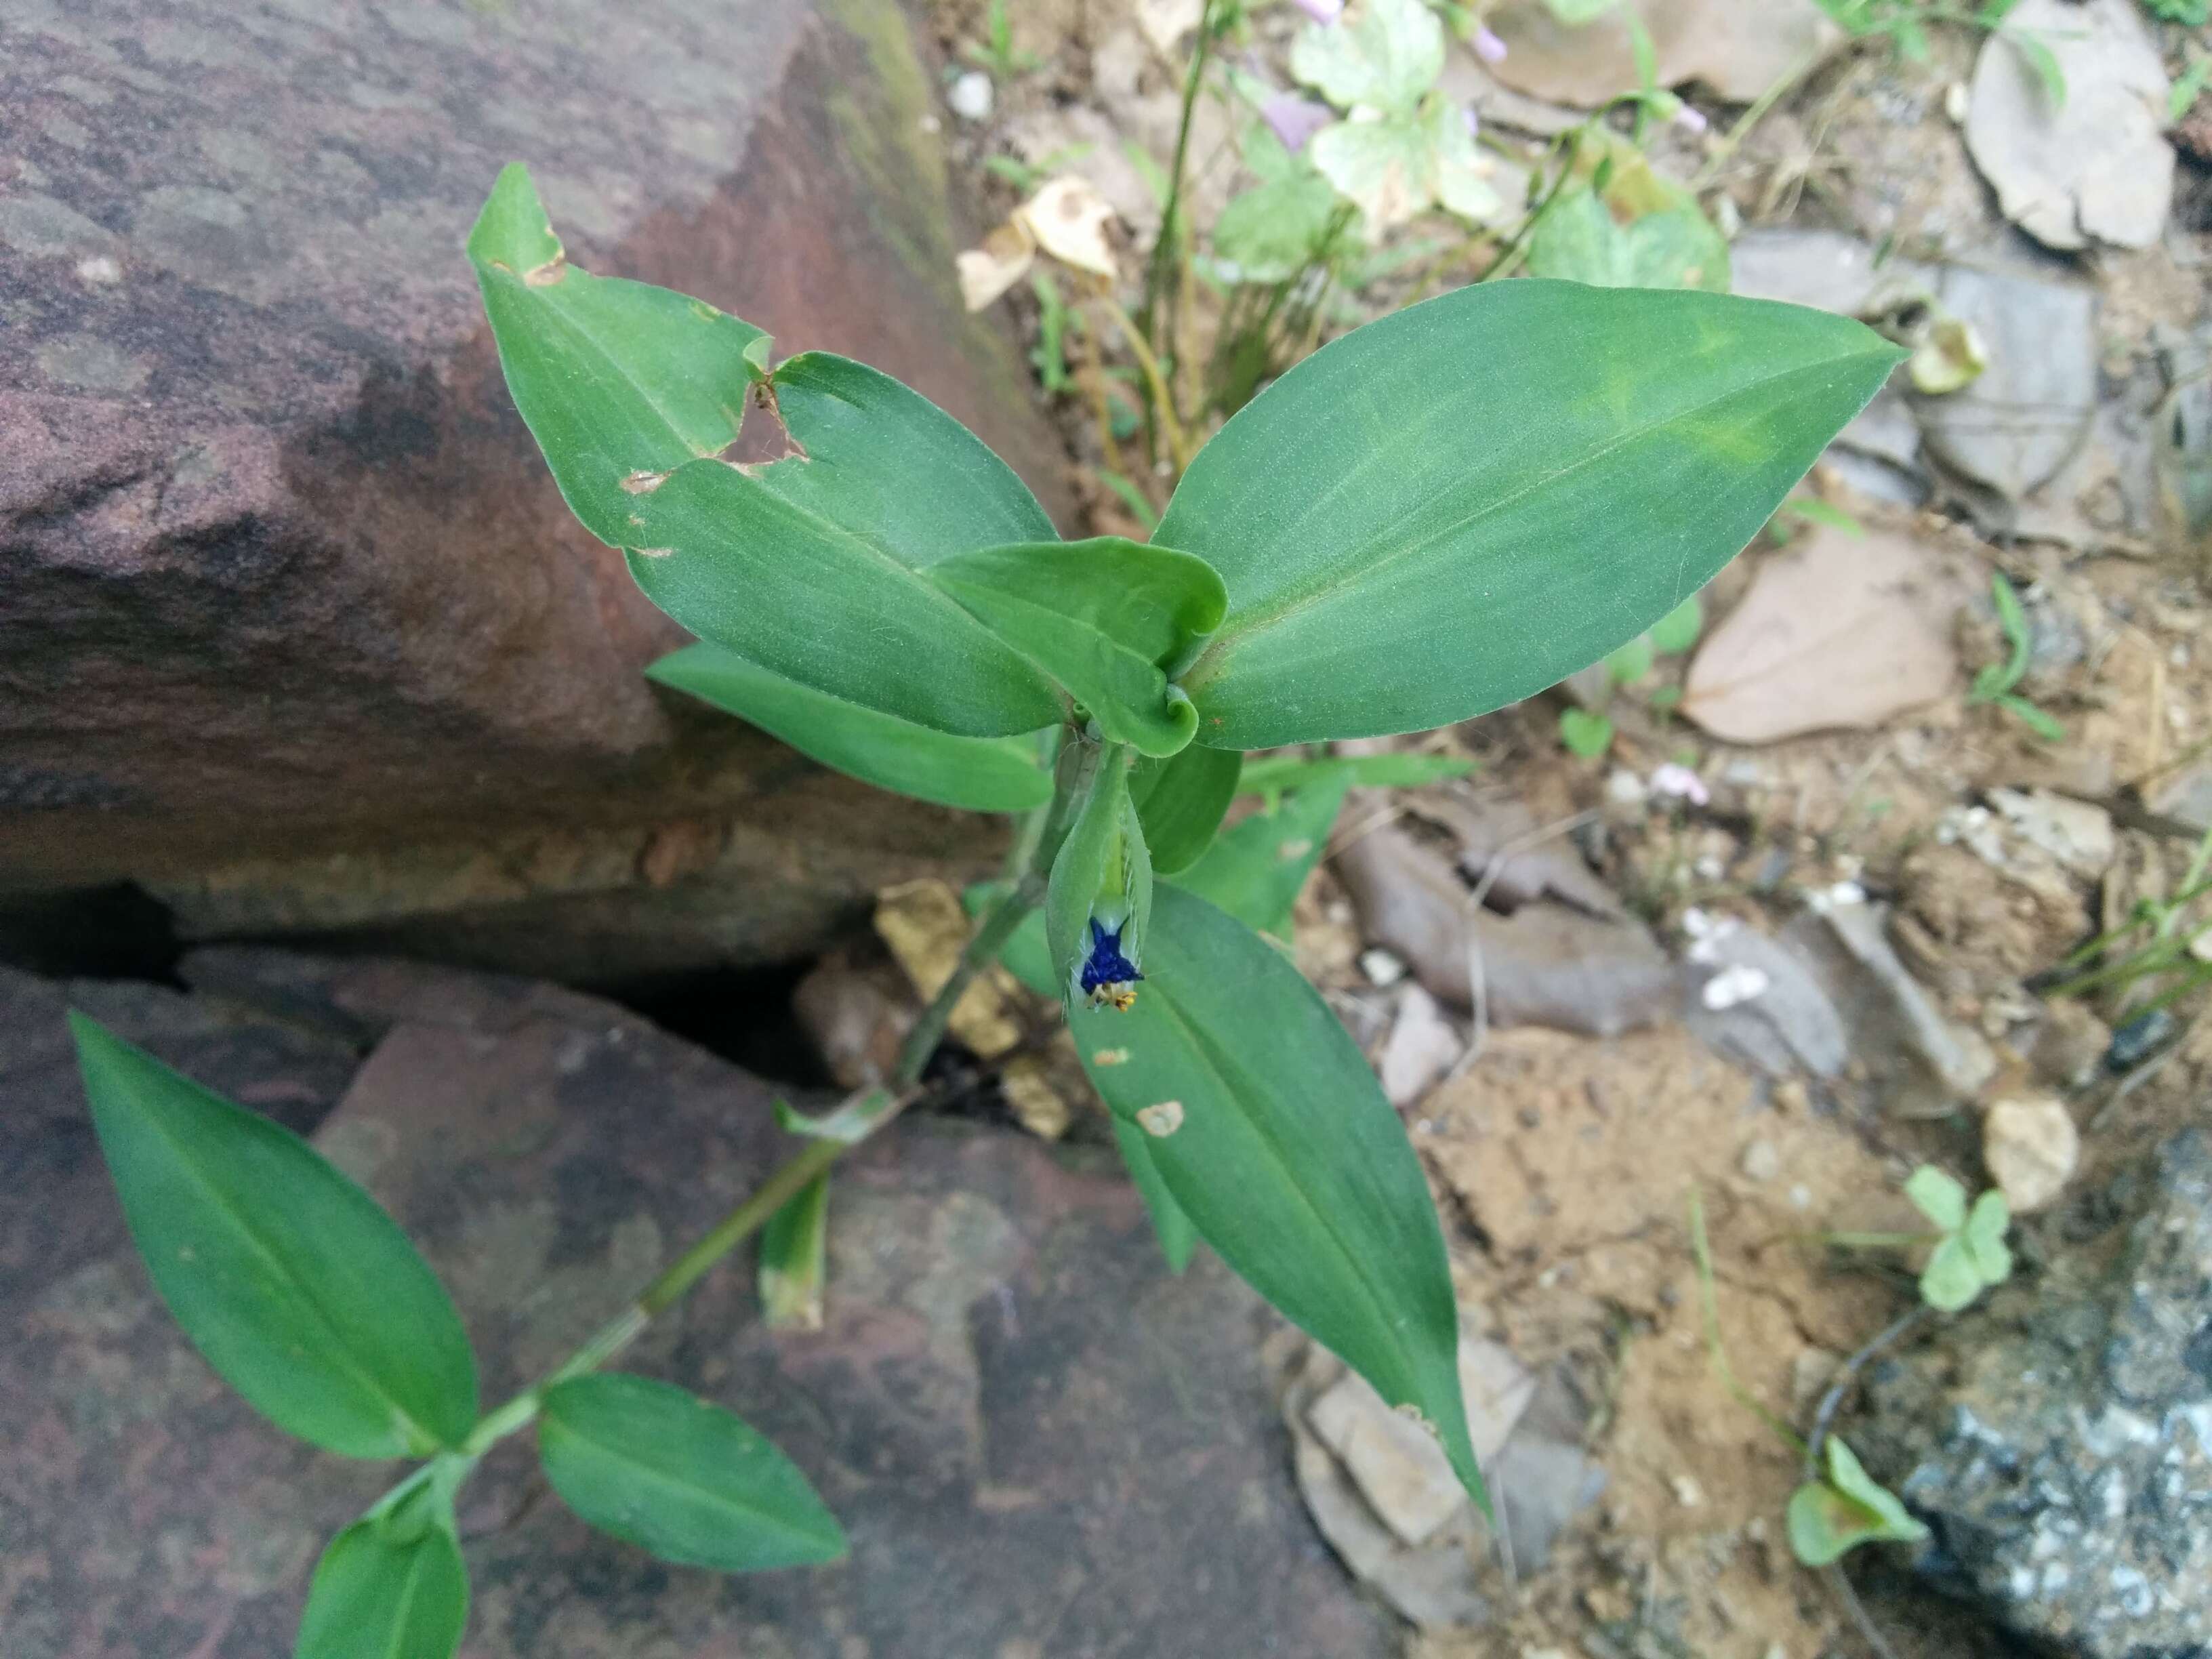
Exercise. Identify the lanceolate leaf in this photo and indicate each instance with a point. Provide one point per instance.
(983, 775)
(287, 1276)
(1108, 618)
(615, 378)
(1269, 1131)
(1180, 801)
(1178, 1238)
(679, 1477)
(1457, 505)
(383, 1590)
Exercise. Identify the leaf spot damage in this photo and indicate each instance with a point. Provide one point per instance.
(1110, 1057)
(644, 483)
(553, 270)
(1161, 1120)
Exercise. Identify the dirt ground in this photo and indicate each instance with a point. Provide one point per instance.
(1566, 1163)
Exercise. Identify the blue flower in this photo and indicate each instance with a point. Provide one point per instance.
(1107, 976)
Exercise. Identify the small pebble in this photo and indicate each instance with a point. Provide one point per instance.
(2031, 1148)
(1380, 967)
(1687, 1493)
(972, 96)
(1954, 103)
(1760, 1162)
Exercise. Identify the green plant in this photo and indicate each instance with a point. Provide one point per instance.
(2164, 942)
(1971, 1254)
(1994, 681)
(889, 597)
(2191, 13)
(1588, 732)
(995, 52)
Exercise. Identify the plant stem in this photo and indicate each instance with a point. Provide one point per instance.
(1162, 398)
(1170, 237)
(748, 1217)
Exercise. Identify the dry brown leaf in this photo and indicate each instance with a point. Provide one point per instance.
(1737, 47)
(1068, 217)
(989, 271)
(1841, 631)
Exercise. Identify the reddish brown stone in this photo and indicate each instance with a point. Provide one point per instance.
(284, 578)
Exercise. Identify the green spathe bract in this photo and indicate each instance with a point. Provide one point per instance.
(679, 1477)
(287, 1278)
(1268, 1128)
(1452, 509)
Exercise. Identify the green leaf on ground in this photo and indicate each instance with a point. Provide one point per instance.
(387, 1587)
(287, 1278)
(1826, 1519)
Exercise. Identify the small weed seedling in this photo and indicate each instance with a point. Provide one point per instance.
(995, 52)
(1589, 733)
(2164, 942)
(1441, 512)
(1994, 682)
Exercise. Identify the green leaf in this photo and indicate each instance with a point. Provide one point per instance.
(1257, 869)
(1108, 618)
(795, 1259)
(2040, 721)
(1584, 733)
(1274, 230)
(1178, 1238)
(1451, 508)
(1386, 168)
(1180, 801)
(1950, 1281)
(1270, 1133)
(1632, 662)
(286, 1276)
(1103, 871)
(1391, 771)
(679, 1477)
(1385, 57)
(807, 566)
(1984, 1237)
(1828, 1519)
(814, 566)
(1678, 631)
(1937, 1194)
(615, 379)
(1580, 240)
(982, 775)
(386, 1588)
(850, 1122)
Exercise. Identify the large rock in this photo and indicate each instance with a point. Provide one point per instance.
(2059, 1442)
(299, 632)
(1038, 1440)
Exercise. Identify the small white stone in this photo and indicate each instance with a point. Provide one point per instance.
(1623, 787)
(971, 96)
(1687, 1493)
(1954, 103)
(1380, 967)
(2031, 1147)
(99, 271)
(1740, 983)
(1760, 1162)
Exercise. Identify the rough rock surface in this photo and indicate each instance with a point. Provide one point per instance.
(298, 627)
(1039, 1441)
(2060, 1442)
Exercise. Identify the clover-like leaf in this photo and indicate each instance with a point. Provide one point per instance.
(1937, 1195)
(1984, 1237)
(1826, 1519)
(1385, 57)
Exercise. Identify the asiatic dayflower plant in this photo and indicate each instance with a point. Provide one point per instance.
(1440, 514)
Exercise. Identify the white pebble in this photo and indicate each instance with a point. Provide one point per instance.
(971, 96)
